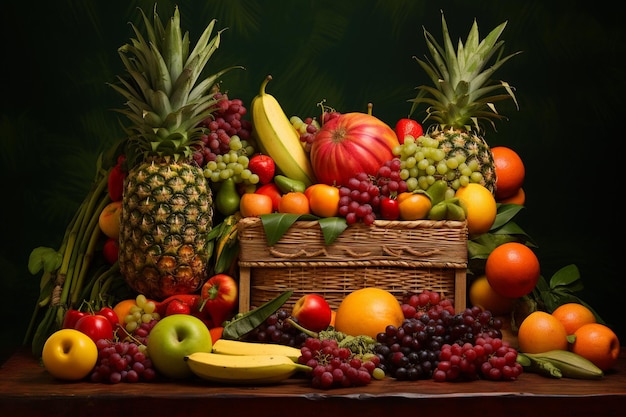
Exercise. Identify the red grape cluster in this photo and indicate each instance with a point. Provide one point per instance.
(306, 129)
(359, 199)
(226, 122)
(335, 367)
(415, 304)
(122, 361)
(489, 358)
(413, 350)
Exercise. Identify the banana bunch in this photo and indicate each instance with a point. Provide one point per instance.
(277, 137)
(224, 243)
(239, 348)
(559, 364)
(444, 207)
(243, 369)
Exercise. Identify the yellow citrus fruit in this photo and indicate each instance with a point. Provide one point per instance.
(597, 343)
(482, 295)
(253, 204)
(323, 199)
(368, 311)
(294, 202)
(481, 207)
(512, 269)
(413, 206)
(541, 332)
(573, 315)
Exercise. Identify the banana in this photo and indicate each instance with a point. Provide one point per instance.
(239, 348)
(247, 369)
(277, 137)
(569, 364)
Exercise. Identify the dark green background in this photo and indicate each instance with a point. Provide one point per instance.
(58, 57)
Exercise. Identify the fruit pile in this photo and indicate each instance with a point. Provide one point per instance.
(152, 252)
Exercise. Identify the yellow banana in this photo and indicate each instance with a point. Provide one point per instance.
(568, 364)
(247, 369)
(277, 137)
(239, 348)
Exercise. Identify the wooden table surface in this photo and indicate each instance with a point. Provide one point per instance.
(26, 389)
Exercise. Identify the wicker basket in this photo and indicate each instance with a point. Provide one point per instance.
(399, 256)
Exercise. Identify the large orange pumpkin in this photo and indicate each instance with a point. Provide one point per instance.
(349, 144)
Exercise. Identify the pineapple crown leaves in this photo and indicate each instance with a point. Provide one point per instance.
(461, 96)
(165, 102)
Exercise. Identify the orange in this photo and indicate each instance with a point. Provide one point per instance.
(512, 269)
(509, 171)
(597, 343)
(413, 206)
(518, 198)
(294, 202)
(573, 315)
(122, 308)
(481, 207)
(368, 311)
(541, 332)
(253, 204)
(323, 199)
(482, 295)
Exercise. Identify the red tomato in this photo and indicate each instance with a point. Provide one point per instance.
(95, 326)
(389, 208)
(110, 314)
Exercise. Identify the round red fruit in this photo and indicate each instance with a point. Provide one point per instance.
(263, 166)
(312, 312)
(349, 143)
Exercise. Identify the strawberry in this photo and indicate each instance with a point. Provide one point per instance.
(406, 127)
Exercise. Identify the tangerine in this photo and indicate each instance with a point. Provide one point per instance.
(518, 198)
(368, 311)
(294, 202)
(510, 171)
(481, 294)
(481, 207)
(573, 315)
(597, 343)
(122, 308)
(323, 199)
(512, 269)
(413, 206)
(541, 332)
(253, 204)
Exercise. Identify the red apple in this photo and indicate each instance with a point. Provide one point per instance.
(109, 220)
(406, 127)
(351, 143)
(111, 250)
(312, 312)
(263, 166)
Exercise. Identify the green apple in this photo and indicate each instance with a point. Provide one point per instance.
(173, 338)
(69, 354)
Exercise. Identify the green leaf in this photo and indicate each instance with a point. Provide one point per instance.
(565, 276)
(253, 318)
(332, 227)
(47, 259)
(505, 213)
(277, 224)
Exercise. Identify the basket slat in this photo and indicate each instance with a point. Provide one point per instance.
(398, 256)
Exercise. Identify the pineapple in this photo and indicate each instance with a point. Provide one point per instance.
(463, 96)
(167, 202)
